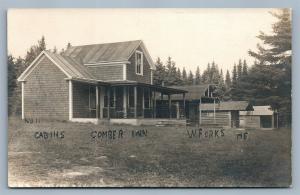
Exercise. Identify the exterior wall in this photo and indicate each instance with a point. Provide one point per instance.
(250, 121)
(81, 101)
(222, 118)
(46, 92)
(132, 76)
(107, 72)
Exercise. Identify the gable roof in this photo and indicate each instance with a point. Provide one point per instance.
(73, 61)
(194, 92)
(227, 106)
(70, 67)
(259, 111)
(107, 52)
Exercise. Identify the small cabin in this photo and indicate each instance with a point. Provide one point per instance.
(262, 117)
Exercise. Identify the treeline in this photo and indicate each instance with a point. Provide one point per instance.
(168, 74)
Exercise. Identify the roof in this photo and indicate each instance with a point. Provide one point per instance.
(227, 106)
(259, 111)
(195, 92)
(107, 52)
(73, 62)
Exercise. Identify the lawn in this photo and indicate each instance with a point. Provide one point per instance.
(153, 157)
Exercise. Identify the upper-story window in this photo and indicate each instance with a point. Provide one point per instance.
(139, 62)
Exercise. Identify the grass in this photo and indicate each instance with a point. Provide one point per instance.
(165, 157)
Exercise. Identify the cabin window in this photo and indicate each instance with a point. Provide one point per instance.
(92, 97)
(111, 99)
(139, 63)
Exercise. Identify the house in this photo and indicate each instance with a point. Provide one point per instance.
(262, 117)
(111, 82)
(224, 114)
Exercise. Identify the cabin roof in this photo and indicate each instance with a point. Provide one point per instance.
(194, 92)
(227, 106)
(259, 111)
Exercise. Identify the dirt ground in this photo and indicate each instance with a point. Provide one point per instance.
(63, 154)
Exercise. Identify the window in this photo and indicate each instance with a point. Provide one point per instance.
(139, 63)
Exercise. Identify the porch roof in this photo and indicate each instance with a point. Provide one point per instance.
(158, 88)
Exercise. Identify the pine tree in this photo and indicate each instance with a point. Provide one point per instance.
(234, 77)
(184, 76)
(190, 80)
(159, 73)
(179, 77)
(54, 49)
(245, 68)
(228, 80)
(69, 45)
(34, 51)
(239, 70)
(198, 76)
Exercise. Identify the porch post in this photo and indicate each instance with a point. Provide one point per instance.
(154, 104)
(200, 111)
(125, 101)
(177, 110)
(70, 99)
(214, 111)
(101, 101)
(170, 106)
(143, 102)
(184, 105)
(108, 102)
(97, 101)
(135, 101)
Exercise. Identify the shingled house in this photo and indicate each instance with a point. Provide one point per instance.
(92, 83)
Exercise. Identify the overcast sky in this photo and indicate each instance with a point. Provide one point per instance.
(192, 37)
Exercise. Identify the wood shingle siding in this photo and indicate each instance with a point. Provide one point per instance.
(46, 92)
(81, 100)
(131, 72)
(108, 72)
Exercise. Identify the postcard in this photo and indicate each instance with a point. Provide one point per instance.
(149, 97)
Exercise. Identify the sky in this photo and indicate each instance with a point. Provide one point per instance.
(192, 37)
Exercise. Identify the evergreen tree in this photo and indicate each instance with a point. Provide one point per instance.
(228, 80)
(184, 76)
(198, 76)
(245, 68)
(179, 77)
(206, 75)
(269, 81)
(69, 45)
(34, 51)
(190, 80)
(239, 69)
(54, 49)
(234, 77)
(159, 73)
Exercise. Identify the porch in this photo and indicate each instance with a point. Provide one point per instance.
(125, 102)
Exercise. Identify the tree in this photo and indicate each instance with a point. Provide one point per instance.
(69, 45)
(159, 73)
(239, 69)
(184, 76)
(34, 51)
(245, 69)
(279, 43)
(269, 81)
(227, 80)
(190, 79)
(54, 49)
(197, 76)
(234, 77)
